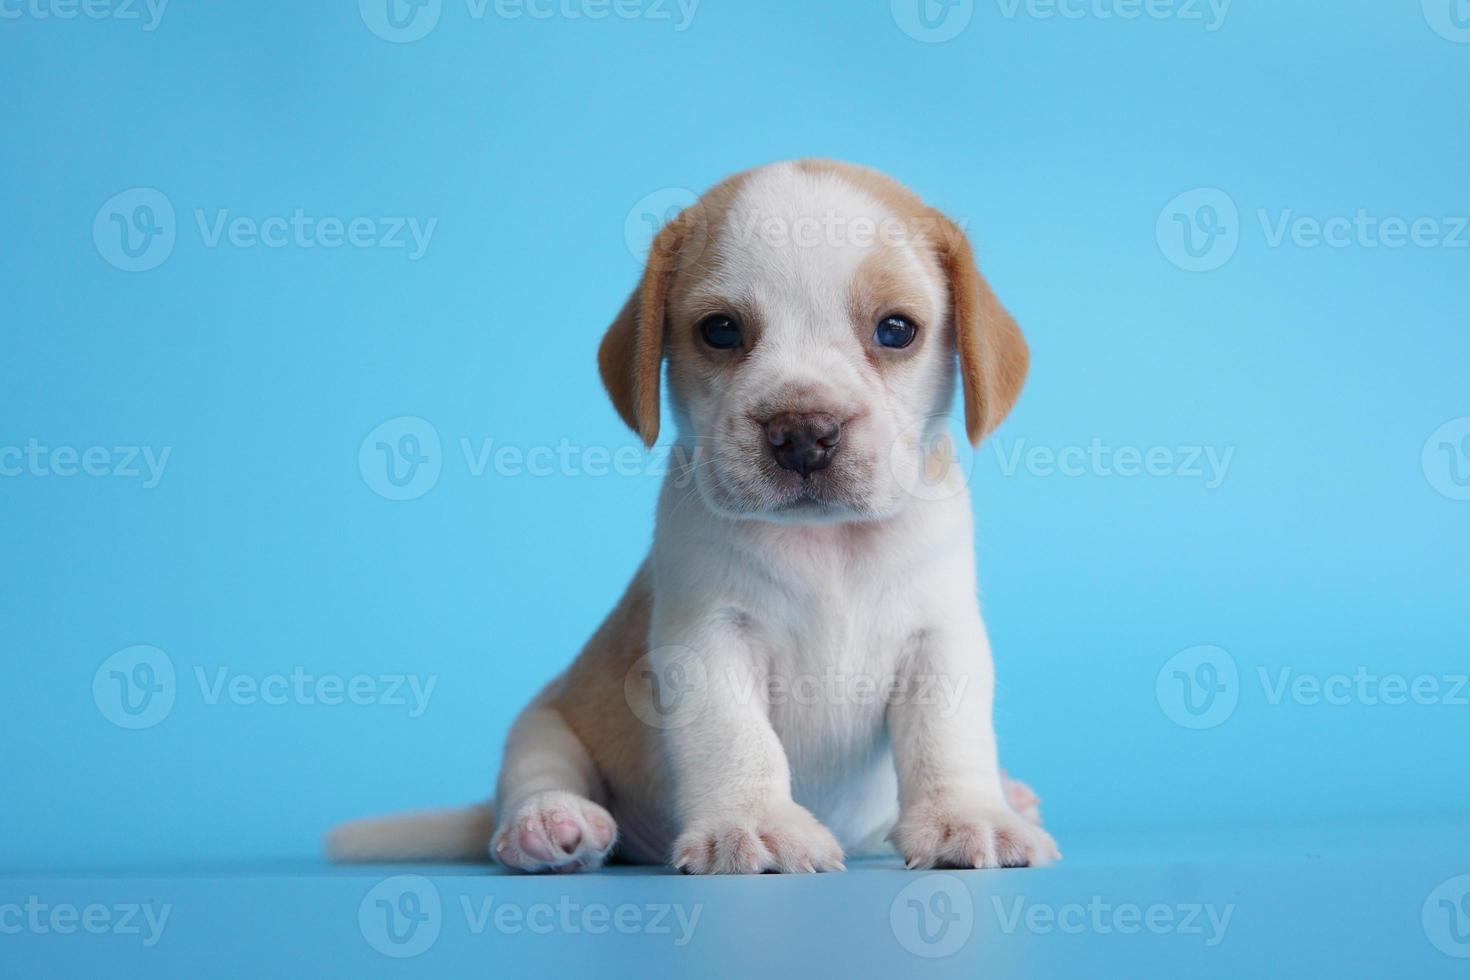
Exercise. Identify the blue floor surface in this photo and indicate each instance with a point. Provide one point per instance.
(1355, 900)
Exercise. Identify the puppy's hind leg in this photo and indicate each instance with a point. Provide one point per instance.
(548, 799)
(1022, 798)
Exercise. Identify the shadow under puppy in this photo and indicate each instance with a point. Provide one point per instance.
(799, 669)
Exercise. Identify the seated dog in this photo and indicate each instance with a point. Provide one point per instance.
(799, 669)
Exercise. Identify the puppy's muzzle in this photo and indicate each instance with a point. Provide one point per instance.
(804, 443)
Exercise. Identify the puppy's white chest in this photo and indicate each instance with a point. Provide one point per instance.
(832, 675)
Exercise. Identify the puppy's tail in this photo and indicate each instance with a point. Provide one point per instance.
(458, 834)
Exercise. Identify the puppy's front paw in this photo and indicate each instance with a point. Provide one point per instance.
(953, 834)
(784, 838)
(554, 831)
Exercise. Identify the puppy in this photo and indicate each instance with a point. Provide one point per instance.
(799, 669)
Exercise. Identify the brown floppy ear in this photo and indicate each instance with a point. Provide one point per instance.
(993, 354)
(631, 356)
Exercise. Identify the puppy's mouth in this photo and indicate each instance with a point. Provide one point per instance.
(807, 502)
(825, 488)
(752, 487)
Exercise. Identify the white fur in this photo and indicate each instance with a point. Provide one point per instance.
(450, 834)
(766, 590)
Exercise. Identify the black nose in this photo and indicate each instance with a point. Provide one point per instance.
(804, 443)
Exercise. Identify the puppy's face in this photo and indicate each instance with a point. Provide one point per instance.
(807, 343)
(811, 315)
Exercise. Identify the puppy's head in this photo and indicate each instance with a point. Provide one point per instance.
(811, 315)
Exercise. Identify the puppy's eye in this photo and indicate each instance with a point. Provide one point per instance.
(720, 332)
(896, 332)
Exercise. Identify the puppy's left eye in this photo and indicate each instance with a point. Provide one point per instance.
(896, 332)
(720, 332)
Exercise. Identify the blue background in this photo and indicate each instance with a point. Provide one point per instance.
(1060, 142)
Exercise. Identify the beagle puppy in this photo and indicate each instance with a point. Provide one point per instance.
(799, 670)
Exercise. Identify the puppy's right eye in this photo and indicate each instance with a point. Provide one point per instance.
(720, 332)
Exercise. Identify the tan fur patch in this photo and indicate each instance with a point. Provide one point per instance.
(630, 358)
(993, 355)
